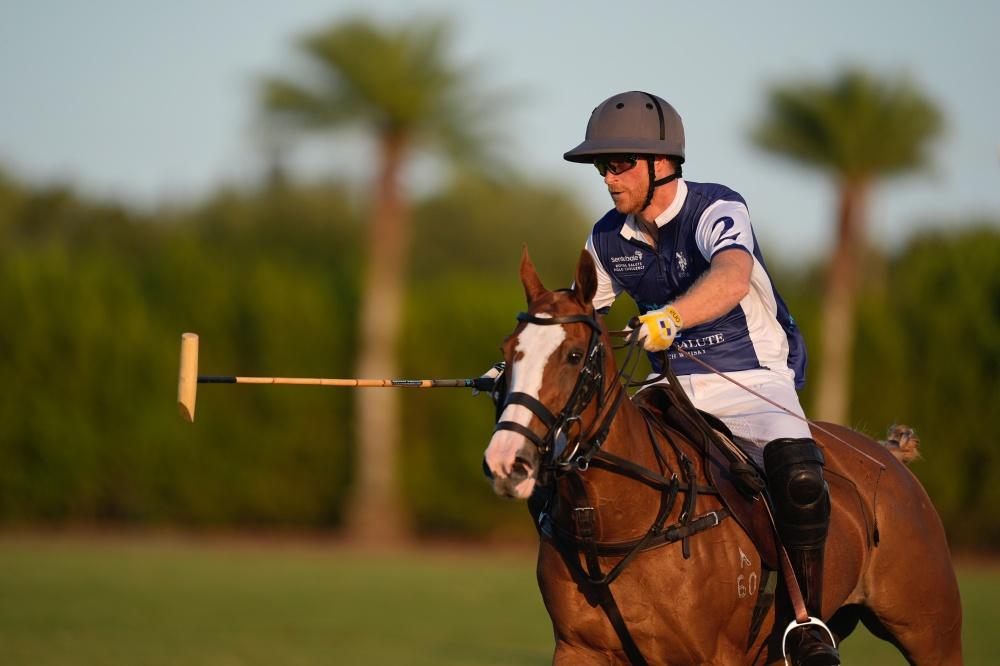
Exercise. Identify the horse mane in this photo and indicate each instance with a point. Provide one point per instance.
(903, 443)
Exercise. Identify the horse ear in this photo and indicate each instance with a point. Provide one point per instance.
(586, 279)
(533, 287)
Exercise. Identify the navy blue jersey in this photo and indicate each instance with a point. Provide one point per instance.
(703, 220)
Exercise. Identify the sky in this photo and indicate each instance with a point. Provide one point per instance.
(157, 102)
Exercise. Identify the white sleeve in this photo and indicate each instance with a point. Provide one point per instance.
(607, 288)
(723, 225)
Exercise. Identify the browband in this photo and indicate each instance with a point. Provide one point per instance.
(565, 319)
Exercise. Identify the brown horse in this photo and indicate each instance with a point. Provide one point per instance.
(640, 562)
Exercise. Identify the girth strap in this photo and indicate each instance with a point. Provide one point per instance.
(765, 598)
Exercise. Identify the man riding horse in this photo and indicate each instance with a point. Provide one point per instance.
(687, 254)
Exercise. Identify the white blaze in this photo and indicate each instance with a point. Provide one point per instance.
(535, 345)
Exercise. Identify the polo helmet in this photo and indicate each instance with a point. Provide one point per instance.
(632, 122)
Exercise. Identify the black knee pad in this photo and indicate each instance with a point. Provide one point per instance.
(794, 469)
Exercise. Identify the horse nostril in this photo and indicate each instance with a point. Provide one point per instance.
(521, 468)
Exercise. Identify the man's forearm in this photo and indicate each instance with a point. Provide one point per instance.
(719, 290)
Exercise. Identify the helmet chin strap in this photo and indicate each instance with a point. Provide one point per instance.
(653, 183)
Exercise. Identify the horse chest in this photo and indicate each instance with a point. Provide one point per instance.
(685, 611)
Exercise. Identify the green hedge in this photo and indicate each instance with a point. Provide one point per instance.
(95, 297)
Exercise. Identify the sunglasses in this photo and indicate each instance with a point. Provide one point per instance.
(616, 164)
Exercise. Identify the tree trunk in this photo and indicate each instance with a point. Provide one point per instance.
(374, 511)
(839, 305)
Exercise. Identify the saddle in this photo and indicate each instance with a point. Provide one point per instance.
(729, 468)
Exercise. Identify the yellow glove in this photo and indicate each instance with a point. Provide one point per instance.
(659, 328)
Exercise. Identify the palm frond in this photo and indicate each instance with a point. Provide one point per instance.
(312, 109)
(856, 127)
(395, 80)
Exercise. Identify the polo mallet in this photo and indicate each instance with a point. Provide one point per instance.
(188, 380)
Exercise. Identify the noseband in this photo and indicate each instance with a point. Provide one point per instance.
(564, 454)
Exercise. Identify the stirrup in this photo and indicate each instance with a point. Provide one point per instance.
(795, 625)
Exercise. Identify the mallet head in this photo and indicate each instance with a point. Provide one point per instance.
(187, 381)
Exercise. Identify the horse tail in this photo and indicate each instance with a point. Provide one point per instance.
(903, 442)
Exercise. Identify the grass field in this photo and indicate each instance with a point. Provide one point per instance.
(227, 602)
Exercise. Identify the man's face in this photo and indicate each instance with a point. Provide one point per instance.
(628, 189)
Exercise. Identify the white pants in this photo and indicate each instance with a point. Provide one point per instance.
(747, 415)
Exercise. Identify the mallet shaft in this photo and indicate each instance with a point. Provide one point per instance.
(481, 383)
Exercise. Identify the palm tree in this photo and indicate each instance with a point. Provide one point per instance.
(398, 84)
(857, 130)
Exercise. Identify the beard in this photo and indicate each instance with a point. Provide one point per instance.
(628, 202)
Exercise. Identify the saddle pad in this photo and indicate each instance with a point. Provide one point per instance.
(753, 452)
(750, 512)
(745, 449)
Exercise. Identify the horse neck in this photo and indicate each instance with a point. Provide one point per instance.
(629, 435)
(625, 506)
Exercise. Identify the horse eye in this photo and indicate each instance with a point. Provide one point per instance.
(574, 357)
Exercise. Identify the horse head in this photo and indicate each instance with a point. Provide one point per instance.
(556, 368)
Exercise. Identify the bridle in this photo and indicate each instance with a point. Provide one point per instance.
(566, 445)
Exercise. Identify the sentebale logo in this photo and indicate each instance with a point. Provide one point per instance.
(628, 263)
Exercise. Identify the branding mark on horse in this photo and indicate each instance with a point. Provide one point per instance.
(746, 585)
